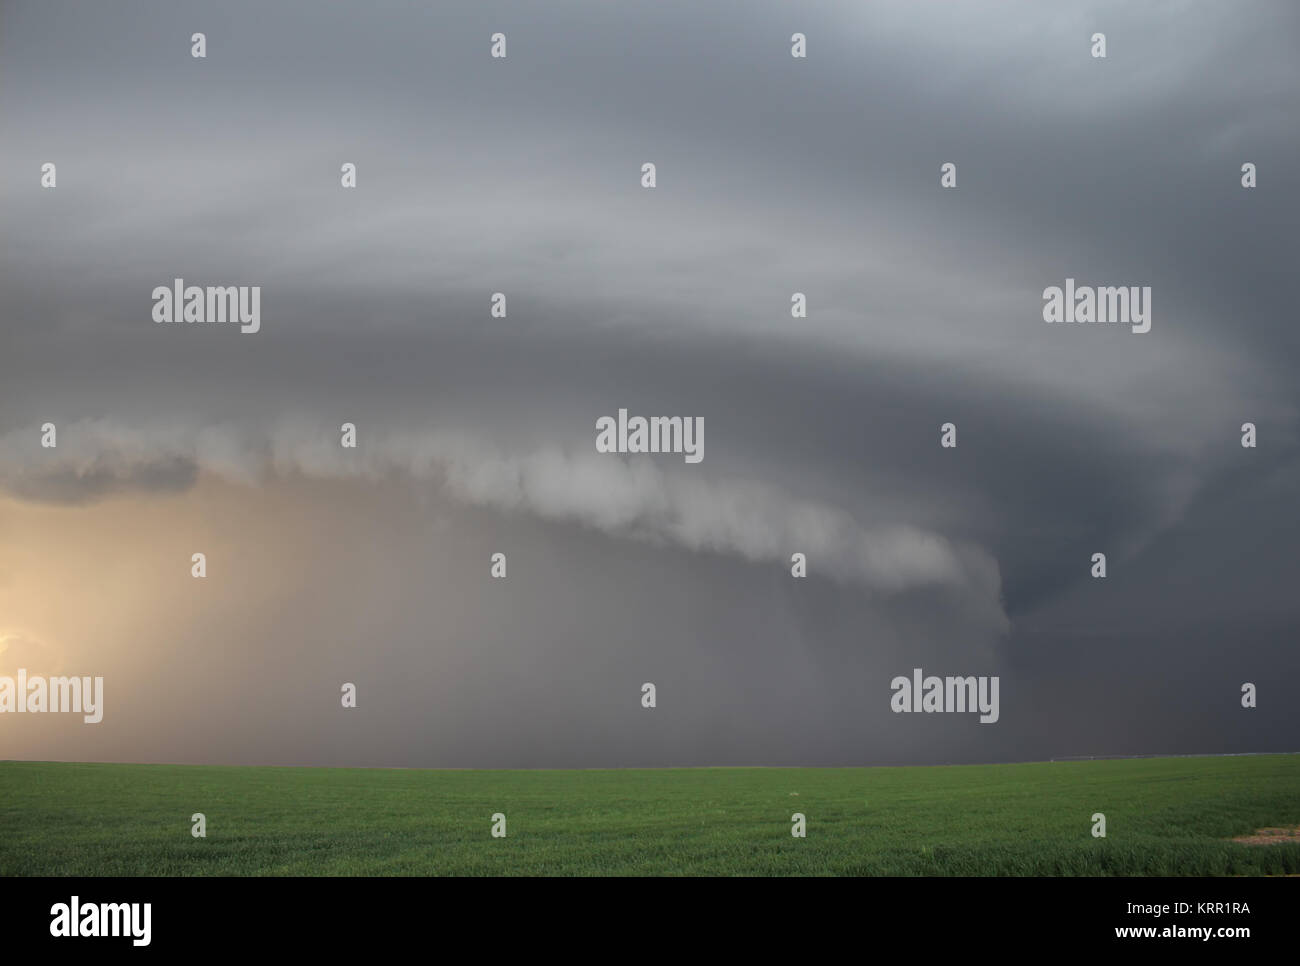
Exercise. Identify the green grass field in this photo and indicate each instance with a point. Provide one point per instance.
(1164, 817)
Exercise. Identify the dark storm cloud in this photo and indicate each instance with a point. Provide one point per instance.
(98, 481)
(775, 176)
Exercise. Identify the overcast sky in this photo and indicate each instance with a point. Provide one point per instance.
(476, 434)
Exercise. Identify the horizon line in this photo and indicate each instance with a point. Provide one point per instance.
(1070, 759)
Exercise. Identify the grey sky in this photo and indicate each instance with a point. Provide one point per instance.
(476, 435)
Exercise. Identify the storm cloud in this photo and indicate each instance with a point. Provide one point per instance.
(475, 434)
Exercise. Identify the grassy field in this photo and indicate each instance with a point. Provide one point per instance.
(1164, 817)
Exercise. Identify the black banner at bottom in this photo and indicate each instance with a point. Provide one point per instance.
(611, 917)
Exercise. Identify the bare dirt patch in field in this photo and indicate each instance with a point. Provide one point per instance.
(1270, 836)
